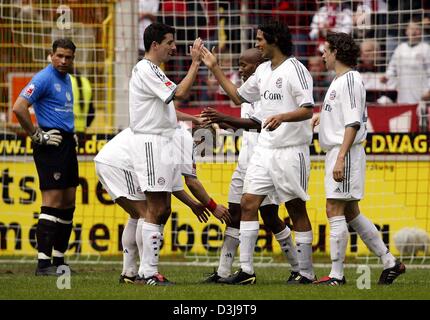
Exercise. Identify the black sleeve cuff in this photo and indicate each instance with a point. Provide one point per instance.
(354, 124)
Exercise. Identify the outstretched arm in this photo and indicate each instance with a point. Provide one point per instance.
(213, 116)
(183, 88)
(182, 116)
(199, 210)
(197, 189)
(229, 87)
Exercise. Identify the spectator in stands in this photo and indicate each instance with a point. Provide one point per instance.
(321, 78)
(331, 17)
(409, 66)
(370, 57)
(148, 10)
(398, 14)
(371, 69)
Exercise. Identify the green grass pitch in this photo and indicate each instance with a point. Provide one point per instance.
(100, 282)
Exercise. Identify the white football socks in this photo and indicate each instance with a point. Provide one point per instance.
(228, 251)
(338, 243)
(304, 253)
(130, 249)
(370, 236)
(288, 247)
(139, 241)
(151, 238)
(248, 237)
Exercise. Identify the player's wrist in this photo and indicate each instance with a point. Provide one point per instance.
(211, 205)
(341, 157)
(34, 132)
(214, 67)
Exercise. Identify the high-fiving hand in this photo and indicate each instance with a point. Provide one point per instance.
(201, 212)
(195, 50)
(210, 115)
(208, 57)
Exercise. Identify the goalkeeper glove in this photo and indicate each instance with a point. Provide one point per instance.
(51, 138)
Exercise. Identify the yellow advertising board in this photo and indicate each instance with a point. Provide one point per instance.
(397, 196)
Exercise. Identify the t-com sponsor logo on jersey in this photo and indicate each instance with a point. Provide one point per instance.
(272, 95)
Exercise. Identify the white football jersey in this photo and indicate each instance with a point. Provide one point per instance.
(116, 152)
(409, 67)
(151, 100)
(249, 138)
(282, 90)
(344, 106)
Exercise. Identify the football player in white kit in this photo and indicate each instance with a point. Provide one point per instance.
(342, 130)
(280, 163)
(153, 123)
(248, 62)
(115, 171)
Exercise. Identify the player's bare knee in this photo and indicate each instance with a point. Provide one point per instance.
(249, 207)
(335, 207)
(352, 210)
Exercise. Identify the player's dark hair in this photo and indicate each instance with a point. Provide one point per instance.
(279, 34)
(347, 51)
(156, 32)
(63, 43)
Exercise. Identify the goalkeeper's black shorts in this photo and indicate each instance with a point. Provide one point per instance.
(57, 167)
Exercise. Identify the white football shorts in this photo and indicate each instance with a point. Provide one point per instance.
(153, 158)
(283, 172)
(236, 189)
(119, 182)
(352, 187)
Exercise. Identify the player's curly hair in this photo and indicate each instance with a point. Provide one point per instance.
(279, 34)
(347, 51)
(156, 32)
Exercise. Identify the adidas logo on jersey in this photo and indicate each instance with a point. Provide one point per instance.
(338, 190)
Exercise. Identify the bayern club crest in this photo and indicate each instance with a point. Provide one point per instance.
(57, 87)
(333, 95)
(279, 83)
